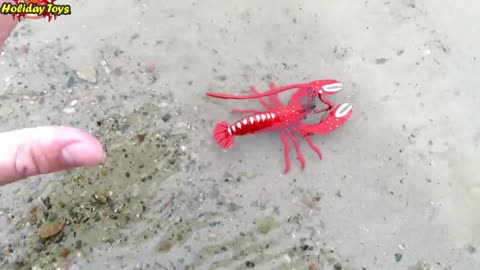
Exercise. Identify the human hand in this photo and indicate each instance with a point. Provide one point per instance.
(7, 24)
(34, 151)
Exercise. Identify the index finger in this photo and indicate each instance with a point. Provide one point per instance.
(42, 150)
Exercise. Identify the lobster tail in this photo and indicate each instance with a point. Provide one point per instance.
(222, 135)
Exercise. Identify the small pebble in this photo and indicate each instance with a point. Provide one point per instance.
(398, 257)
(164, 246)
(101, 198)
(150, 68)
(117, 71)
(70, 82)
(166, 117)
(69, 110)
(265, 224)
(87, 73)
(381, 61)
(78, 244)
(63, 252)
(50, 229)
(286, 259)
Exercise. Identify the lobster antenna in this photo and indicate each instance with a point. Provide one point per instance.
(254, 96)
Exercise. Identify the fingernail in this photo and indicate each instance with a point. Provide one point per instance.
(83, 154)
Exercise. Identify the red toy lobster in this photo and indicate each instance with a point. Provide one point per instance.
(286, 118)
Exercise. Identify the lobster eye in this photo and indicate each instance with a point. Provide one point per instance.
(309, 106)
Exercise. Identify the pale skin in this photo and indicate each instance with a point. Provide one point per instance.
(42, 150)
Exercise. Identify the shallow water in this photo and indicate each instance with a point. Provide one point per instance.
(396, 188)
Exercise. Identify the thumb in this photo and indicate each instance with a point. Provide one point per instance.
(42, 150)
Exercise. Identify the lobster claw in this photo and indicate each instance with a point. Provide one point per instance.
(326, 87)
(331, 88)
(336, 118)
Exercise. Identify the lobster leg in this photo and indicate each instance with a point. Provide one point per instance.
(297, 148)
(309, 141)
(287, 151)
(275, 101)
(282, 133)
